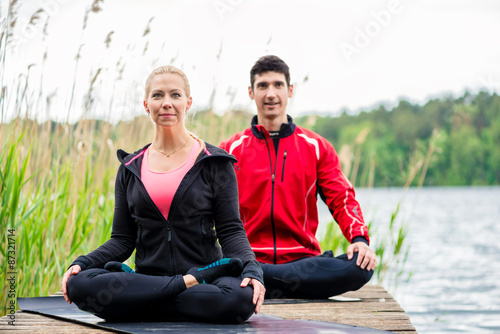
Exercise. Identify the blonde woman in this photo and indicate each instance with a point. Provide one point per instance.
(176, 201)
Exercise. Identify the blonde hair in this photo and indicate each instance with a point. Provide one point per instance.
(163, 70)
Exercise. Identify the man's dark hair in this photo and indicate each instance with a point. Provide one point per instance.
(270, 64)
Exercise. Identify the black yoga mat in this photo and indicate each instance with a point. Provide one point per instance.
(57, 307)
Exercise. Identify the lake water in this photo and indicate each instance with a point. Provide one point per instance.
(454, 254)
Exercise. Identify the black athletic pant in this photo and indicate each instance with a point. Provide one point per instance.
(315, 277)
(119, 296)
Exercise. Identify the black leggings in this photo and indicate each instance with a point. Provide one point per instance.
(314, 277)
(118, 296)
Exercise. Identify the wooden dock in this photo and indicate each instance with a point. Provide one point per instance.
(377, 309)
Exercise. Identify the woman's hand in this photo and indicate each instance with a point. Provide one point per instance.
(73, 270)
(258, 291)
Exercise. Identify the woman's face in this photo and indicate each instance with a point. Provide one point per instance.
(167, 101)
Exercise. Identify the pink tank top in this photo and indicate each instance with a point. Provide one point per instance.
(161, 187)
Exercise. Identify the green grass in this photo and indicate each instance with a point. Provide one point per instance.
(57, 190)
(387, 240)
(57, 179)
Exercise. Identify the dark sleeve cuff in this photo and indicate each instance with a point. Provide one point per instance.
(83, 262)
(253, 270)
(358, 239)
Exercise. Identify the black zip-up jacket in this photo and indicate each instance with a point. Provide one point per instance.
(204, 209)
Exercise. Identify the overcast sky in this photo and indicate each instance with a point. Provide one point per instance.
(342, 54)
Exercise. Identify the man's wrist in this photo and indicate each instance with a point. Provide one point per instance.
(359, 239)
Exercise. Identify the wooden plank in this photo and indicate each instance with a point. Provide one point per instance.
(377, 309)
(40, 324)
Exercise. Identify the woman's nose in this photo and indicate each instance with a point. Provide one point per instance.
(166, 103)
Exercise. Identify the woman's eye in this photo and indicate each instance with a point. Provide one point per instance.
(156, 95)
(176, 95)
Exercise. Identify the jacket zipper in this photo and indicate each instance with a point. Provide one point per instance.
(173, 265)
(173, 205)
(169, 221)
(283, 170)
(272, 199)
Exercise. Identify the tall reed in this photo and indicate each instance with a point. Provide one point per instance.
(389, 239)
(57, 189)
(57, 179)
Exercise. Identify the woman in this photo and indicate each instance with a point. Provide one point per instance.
(169, 197)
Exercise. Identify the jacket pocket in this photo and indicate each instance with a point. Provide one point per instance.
(209, 239)
(139, 247)
(283, 169)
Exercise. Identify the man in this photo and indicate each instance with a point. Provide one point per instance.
(281, 168)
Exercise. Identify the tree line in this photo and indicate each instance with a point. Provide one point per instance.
(446, 141)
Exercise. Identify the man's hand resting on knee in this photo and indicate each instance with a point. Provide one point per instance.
(366, 256)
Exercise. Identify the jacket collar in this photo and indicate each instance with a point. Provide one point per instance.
(133, 161)
(286, 129)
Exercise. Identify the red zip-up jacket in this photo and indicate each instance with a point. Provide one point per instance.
(278, 191)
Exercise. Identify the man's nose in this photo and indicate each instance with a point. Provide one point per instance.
(271, 92)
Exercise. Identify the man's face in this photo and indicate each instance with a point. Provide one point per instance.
(271, 94)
